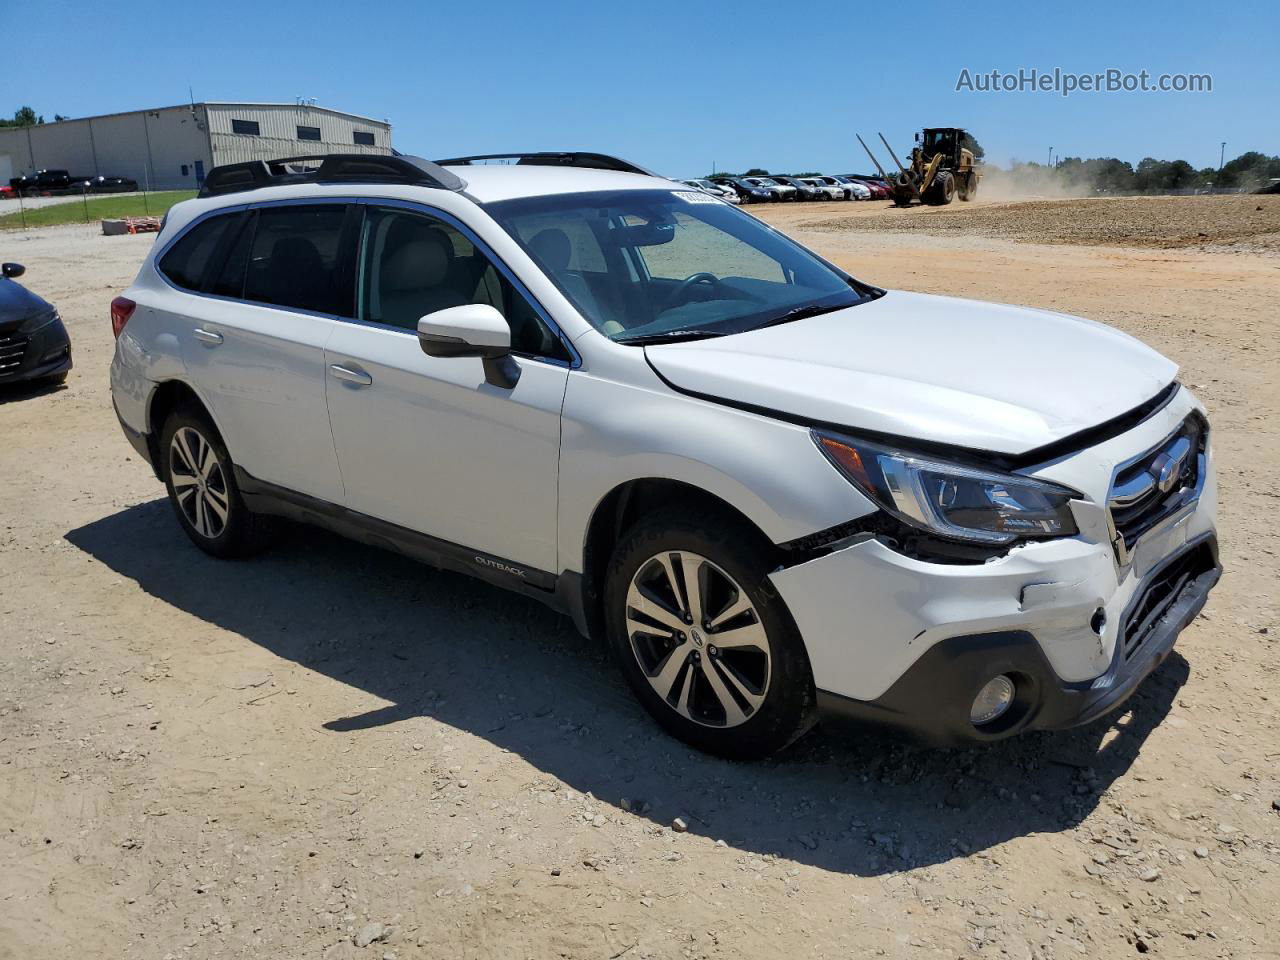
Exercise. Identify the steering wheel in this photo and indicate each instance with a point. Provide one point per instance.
(681, 293)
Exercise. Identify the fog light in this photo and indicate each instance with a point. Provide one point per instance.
(992, 700)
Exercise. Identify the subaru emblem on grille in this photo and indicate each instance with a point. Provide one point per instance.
(1167, 468)
(1156, 487)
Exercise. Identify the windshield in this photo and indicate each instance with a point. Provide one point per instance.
(646, 265)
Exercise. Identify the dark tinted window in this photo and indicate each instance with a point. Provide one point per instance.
(247, 127)
(308, 133)
(363, 138)
(412, 265)
(229, 280)
(294, 259)
(187, 263)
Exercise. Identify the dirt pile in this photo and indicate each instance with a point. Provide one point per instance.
(1244, 222)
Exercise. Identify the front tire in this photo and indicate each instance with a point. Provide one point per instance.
(200, 478)
(704, 641)
(942, 190)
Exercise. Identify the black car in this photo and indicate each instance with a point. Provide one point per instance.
(33, 342)
(747, 192)
(804, 191)
(105, 184)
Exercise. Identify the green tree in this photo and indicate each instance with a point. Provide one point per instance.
(22, 117)
(970, 142)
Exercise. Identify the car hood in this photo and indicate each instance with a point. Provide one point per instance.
(17, 303)
(980, 375)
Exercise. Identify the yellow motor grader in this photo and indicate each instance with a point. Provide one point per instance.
(941, 168)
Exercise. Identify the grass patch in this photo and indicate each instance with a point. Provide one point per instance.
(100, 208)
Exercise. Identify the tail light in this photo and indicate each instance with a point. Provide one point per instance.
(121, 310)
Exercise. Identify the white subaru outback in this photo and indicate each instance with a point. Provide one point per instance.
(776, 491)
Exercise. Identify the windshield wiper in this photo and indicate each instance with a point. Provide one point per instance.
(668, 336)
(802, 313)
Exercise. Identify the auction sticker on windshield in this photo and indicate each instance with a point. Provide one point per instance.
(694, 197)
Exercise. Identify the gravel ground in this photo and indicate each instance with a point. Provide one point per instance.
(1246, 223)
(334, 752)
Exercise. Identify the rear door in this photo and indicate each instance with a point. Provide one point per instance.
(269, 284)
(425, 442)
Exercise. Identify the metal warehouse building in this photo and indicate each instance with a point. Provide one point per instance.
(171, 148)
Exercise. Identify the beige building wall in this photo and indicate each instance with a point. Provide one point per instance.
(174, 147)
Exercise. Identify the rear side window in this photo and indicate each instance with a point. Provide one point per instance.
(188, 261)
(295, 259)
(228, 279)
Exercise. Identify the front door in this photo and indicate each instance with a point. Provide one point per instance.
(425, 442)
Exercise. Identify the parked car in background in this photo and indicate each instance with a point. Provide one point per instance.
(747, 192)
(856, 189)
(838, 190)
(879, 189)
(827, 191)
(51, 180)
(804, 191)
(105, 184)
(779, 191)
(725, 193)
(42, 181)
(33, 341)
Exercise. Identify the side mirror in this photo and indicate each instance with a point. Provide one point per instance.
(472, 330)
(13, 270)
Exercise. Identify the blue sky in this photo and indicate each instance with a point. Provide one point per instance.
(673, 87)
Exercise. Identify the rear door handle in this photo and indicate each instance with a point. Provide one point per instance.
(347, 375)
(211, 337)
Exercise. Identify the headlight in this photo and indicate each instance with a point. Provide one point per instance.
(949, 499)
(38, 322)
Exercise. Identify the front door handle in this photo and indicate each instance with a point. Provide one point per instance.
(355, 377)
(211, 337)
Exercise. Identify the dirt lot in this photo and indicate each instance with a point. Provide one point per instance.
(1240, 223)
(201, 759)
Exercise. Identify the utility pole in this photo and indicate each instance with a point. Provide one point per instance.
(1222, 154)
(1051, 156)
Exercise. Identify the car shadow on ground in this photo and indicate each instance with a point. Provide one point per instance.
(28, 390)
(504, 668)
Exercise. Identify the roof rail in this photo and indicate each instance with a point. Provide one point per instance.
(328, 168)
(594, 161)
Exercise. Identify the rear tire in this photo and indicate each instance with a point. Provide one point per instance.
(720, 665)
(199, 475)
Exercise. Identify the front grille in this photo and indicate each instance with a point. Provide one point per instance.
(1161, 594)
(12, 351)
(1154, 486)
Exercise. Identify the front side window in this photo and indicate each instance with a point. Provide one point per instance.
(645, 265)
(412, 264)
(308, 133)
(294, 260)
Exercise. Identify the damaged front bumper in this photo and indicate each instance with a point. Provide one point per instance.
(907, 643)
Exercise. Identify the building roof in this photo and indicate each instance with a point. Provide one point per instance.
(217, 103)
